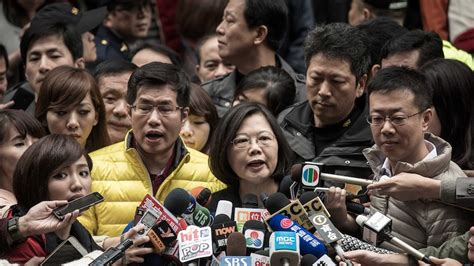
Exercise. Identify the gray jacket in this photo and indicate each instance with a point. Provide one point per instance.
(421, 223)
(222, 89)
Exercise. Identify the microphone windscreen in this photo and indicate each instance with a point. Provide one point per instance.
(296, 172)
(254, 224)
(236, 245)
(361, 219)
(204, 197)
(308, 260)
(177, 201)
(307, 196)
(350, 243)
(224, 207)
(276, 202)
(285, 185)
(221, 218)
(250, 201)
(263, 252)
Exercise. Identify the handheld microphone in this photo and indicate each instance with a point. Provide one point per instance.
(284, 248)
(309, 173)
(350, 243)
(224, 207)
(377, 224)
(254, 232)
(250, 201)
(236, 260)
(308, 260)
(279, 203)
(202, 195)
(261, 258)
(286, 187)
(112, 254)
(309, 244)
(236, 245)
(312, 203)
(221, 230)
(194, 243)
(178, 202)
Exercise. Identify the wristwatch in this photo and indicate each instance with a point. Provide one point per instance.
(14, 229)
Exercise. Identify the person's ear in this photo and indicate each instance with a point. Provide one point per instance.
(80, 63)
(361, 84)
(375, 68)
(262, 33)
(367, 14)
(427, 116)
(184, 115)
(108, 19)
(96, 119)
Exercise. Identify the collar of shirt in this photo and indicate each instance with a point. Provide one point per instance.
(386, 170)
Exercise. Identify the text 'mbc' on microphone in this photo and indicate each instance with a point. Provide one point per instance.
(112, 254)
(309, 244)
(221, 230)
(279, 203)
(284, 248)
(378, 228)
(254, 233)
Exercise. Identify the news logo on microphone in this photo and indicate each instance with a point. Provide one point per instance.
(285, 240)
(254, 238)
(310, 174)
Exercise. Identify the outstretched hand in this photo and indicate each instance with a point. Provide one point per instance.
(407, 186)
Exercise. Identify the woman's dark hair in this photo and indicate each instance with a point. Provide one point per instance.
(200, 104)
(228, 127)
(279, 87)
(452, 83)
(24, 123)
(67, 86)
(39, 162)
(4, 54)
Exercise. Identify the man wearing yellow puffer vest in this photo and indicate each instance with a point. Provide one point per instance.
(152, 159)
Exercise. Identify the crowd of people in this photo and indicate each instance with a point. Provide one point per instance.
(134, 97)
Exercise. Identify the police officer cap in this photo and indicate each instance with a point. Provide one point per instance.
(67, 14)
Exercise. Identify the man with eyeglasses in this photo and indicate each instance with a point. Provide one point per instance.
(399, 114)
(126, 22)
(152, 159)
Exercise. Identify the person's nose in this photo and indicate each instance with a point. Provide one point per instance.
(45, 65)
(254, 148)
(387, 127)
(220, 71)
(154, 118)
(186, 130)
(76, 183)
(72, 122)
(324, 90)
(120, 109)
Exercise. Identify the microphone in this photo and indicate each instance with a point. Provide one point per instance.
(308, 260)
(250, 201)
(178, 202)
(350, 243)
(194, 243)
(254, 233)
(224, 207)
(278, 203)
(379, 225)
(286, 187)
(112, 254)
(236, 245)
(312, 203)
(236, 260)
(284, 248)
(309, 244)
(221, 230)
(261, 258)
(202, 195)
(309, 173)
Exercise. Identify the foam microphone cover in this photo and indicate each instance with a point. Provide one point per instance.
(307, 196)
(177, 201)
(250, 201)
(236, 245)
(285, 184)
(276, 202)
(296, 172)
(308, 260)
(263, 252)
(221, 218)
(202, 195)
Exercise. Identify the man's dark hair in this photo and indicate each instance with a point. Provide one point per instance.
(159, 49)
(395, 78)
(71, 38)
(379, 31)
(340, 41)
(4, 54)
(113, 67)
(428, 44)
(156, 74)
(271, 13)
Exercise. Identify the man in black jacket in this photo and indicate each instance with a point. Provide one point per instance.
(330, 127)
